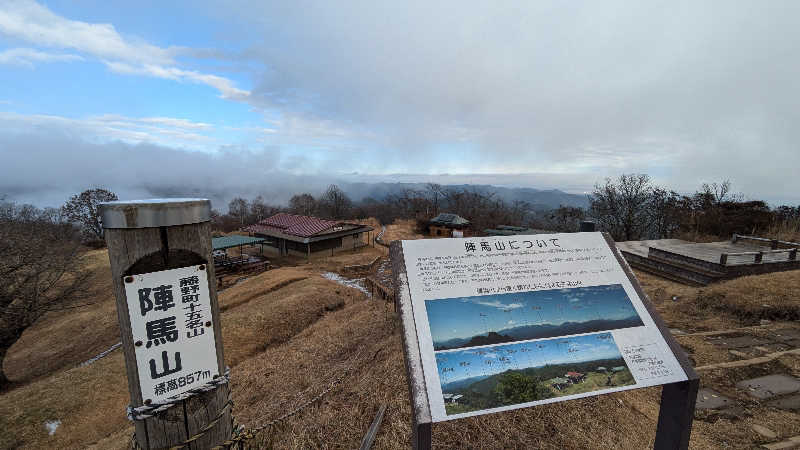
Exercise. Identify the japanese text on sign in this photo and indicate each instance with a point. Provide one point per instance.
(170, 314)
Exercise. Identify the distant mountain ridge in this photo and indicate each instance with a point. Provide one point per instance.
(525, 332)
(538, 198)
(485, 384)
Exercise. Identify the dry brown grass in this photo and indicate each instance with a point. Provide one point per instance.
(288, 332)
(89, 401)
(729, 304)
(260, 285)
(365, 336)
(752, 298)
(335, 263)
(64, 339)
(276, 316)
(785, 231)
(401, 229)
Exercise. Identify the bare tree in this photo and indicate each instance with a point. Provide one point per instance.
(82, 209)
(620, 206)
(259, 210)
(565, 218)
(335, 203)
(436, 194)
(303, 204)
(238, 208)
(41, 270)
(665, 210)
(719, 193)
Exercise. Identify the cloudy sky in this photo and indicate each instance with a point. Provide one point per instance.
(261, 97)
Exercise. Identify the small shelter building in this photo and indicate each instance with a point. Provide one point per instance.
(575, 377)
(290, 234)
(449, 225)
(452, 398)
(559, 383)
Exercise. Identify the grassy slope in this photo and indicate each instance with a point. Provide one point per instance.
(288, 333)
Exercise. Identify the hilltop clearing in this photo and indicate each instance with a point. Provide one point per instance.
(289, 334)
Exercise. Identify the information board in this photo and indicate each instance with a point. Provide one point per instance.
(517, 321)
(173, 333)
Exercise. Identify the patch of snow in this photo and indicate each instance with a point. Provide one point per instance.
(355, 284)
(51, 426)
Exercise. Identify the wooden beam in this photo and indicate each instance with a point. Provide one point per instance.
(133, 251)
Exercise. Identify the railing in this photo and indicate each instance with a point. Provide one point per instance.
(774, 243)
(758, 257)
(355, 268)
(379, 238)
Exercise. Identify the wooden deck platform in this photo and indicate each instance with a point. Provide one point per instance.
(703, 263)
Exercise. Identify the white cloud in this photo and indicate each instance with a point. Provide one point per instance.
(225, 86)
(159, 130)
(27, 57)
(688, 93)
(496, 304)
(31, 22)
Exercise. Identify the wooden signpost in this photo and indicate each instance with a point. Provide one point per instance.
(161, 264)
(475, 309)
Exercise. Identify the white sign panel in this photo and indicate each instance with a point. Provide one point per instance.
(516, 321)
(172, 328)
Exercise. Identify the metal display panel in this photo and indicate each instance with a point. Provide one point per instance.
(499, 323)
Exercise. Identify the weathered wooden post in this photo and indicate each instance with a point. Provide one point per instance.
(161, 264)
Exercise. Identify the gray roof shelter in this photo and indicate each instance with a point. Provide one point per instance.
(221, 243)
(450, 220)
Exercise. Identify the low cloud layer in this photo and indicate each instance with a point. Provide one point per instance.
(543, 94)
(47, 169)
(687, 91)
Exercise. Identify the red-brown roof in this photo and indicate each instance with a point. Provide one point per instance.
(302, 226)
(574, 374)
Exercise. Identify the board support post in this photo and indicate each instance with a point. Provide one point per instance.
(146, 236)
(676, 414)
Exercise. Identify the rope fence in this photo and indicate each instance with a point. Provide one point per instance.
(240, 433)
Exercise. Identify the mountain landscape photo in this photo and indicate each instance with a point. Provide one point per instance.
(527, 372)
(495, 319)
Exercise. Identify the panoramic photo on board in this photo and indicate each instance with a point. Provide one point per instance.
(494, 319)
(294, 150)
(507, 375)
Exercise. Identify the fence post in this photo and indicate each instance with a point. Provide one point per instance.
(759, 257)
(774, 244)
(723, 258)
(735, 238)
(147, 236)
(793, 254)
